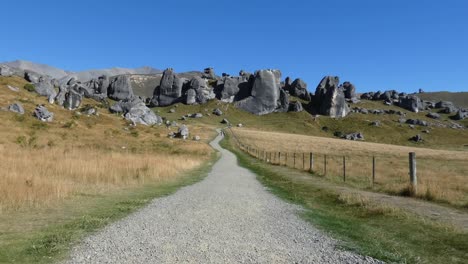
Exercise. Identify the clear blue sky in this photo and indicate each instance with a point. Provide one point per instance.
(376, 44)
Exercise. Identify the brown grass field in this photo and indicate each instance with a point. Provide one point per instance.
(44, 163)
(442, 174)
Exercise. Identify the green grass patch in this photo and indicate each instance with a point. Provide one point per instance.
(382, 233)
(52, 243)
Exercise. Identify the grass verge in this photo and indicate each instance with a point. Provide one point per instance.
(384, 233)
(52, 243)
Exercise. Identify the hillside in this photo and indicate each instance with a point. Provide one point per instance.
(460, 99)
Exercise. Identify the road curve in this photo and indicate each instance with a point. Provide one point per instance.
(229, 217)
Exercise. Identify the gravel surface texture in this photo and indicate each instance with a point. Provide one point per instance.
(229, 217)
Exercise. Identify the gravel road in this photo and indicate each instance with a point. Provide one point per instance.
(229, 217)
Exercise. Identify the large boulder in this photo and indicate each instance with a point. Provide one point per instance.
(16, 108)
(43, 114)
(45, 88)
(411, 103)
(190, 97)
(141, 114)
(124, 106)
(72, 100)
(329, 98)
(170, 89)
(32, 77)
(461, 114)
(203, 91)
(349, 90)
(298, 88)
(120, 88)
(265, 93)
(6, 71)
(209, 73)
(229, 88)
(183, 132)
(444, 104)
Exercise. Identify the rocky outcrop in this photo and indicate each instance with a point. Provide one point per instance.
(170, 89)
(411, 103)
(136, 111)
(6, 71)
(461, 114)
(44, 87)
(72, 100)
(190, 97)
(265, 95)
(298, 88)
(120, 88)
(43, 114)
(203, 91)
(209, 73)
(183, 132)
(349, 90)
(329, 98)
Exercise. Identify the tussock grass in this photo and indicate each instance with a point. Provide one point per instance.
(35, 177)
(442, 174)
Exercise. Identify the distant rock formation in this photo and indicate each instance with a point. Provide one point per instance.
(329, 98)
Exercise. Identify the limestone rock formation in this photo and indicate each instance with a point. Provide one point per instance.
(16, 108)
(120, 88)
(265, 93)
(411, 103)
(329, 98)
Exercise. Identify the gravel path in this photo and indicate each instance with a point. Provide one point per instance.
(229, 217)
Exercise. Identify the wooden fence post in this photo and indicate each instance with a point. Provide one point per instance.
(373, 171)
(294, 160)
(303, 161)
(412, 172)
(279, 158)
(311, 165)
(344, 169)
(325, 165)
(286, 159)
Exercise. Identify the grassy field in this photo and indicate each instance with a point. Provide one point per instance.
(371, 229)
(63, 179)
(442, 174)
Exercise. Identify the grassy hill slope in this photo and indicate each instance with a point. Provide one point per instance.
(459, 99)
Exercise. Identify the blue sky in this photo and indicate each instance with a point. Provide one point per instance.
(376, 44)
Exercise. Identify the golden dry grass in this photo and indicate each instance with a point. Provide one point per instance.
(43, 163)
(442, 174)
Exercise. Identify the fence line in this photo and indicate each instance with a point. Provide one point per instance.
(285, 159)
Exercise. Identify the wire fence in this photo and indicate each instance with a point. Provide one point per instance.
(429, 178)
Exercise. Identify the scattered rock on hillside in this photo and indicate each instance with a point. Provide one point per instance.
(433, 115)
(418, 122)
(417, 138)
(329, 98)
(196, 138)
(354, 136)
(183, 132)
(376, 123)
(16, 108)
(240, 125)
(197, 115)
(217, 112)
(140, 114)
(12, 88)
(43, 114)
(225, 121)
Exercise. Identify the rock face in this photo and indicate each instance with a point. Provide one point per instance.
(411, 103)
(329, 98)
(124, 106)
(170, 89)
(16, 108)
(202, 90)
(6, 71)
(120, 88)
(209, 73)
(32, 77)
(417, 138)
(265, 93)
(43, 114)
(190, 97)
